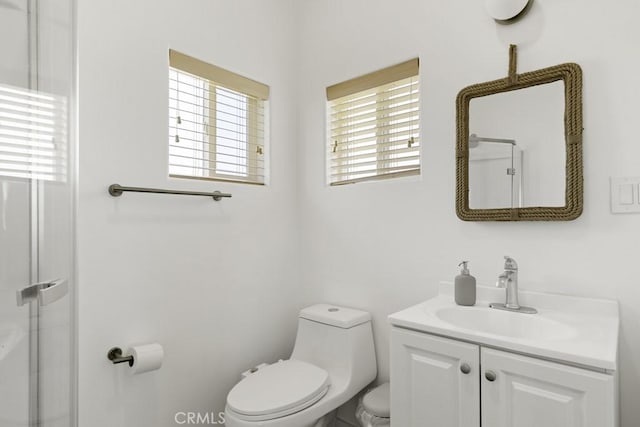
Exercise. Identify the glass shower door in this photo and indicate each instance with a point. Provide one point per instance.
(15, 271)
(36, 214)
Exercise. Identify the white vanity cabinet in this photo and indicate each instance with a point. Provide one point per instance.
(529, 392)
(443, 382)
(428, 385)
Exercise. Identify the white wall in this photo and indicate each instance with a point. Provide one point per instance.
(384, 246)
(215, 282)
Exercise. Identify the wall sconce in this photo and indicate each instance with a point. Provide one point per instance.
(507, 11)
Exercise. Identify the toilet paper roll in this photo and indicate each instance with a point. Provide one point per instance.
(146, 358)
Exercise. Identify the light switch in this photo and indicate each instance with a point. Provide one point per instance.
(625, 194)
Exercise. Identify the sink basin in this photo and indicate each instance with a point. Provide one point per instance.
(582, 331)
(504, 323)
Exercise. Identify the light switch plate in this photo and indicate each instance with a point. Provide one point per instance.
(625, 194)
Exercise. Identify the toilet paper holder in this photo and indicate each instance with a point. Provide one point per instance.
(115, 355)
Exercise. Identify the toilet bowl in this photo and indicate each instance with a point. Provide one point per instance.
(332, 360)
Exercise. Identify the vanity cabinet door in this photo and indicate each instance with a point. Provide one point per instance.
(434, 381)
(527, 392)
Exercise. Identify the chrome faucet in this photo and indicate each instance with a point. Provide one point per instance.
(509, 279)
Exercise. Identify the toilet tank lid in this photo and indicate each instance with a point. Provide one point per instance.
(334, 315)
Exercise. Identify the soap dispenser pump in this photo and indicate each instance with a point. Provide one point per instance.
(465, 286)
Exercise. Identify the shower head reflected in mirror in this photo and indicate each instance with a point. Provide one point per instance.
(474, 140)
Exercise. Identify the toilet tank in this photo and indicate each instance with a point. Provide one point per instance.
(339, 340)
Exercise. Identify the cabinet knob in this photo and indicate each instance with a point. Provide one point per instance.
(465, 368)
(490, 376)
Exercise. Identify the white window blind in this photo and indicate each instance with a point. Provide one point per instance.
(33, 135)
(217, 123)
(374, 126)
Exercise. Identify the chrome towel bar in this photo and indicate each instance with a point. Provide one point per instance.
(116, 190)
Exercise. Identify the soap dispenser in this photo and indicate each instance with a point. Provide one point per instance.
(465, 286)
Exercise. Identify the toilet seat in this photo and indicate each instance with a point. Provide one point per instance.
(278, 390)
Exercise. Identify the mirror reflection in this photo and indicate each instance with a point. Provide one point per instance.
(517, 148)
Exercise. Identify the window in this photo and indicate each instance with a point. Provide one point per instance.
(374, 126)
(217, 123)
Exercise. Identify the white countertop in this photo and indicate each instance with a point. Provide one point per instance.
(576, 330)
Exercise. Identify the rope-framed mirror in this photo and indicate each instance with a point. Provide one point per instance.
(533, 183)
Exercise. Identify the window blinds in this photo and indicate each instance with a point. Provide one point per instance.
(33, 135)
(216, 122)
(374, 126)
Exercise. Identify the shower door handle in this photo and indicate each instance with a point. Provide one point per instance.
(45, 292)
(53, 291)
(28, 294)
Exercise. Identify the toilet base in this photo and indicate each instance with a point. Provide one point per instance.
(367, 420)
(328, 420)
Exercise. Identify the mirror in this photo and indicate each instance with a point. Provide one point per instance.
(516, 148)
(519, 148)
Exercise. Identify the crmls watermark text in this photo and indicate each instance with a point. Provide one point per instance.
(209, 418)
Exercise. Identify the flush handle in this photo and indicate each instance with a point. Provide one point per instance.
(465, 368)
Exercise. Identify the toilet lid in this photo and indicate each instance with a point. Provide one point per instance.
(278, 390)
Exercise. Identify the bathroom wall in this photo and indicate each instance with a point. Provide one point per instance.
(215, 282)
(383, 246)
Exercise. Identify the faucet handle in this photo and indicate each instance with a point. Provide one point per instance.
(510, 263)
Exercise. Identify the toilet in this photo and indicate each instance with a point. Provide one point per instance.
(374, 407)
(333, 360)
